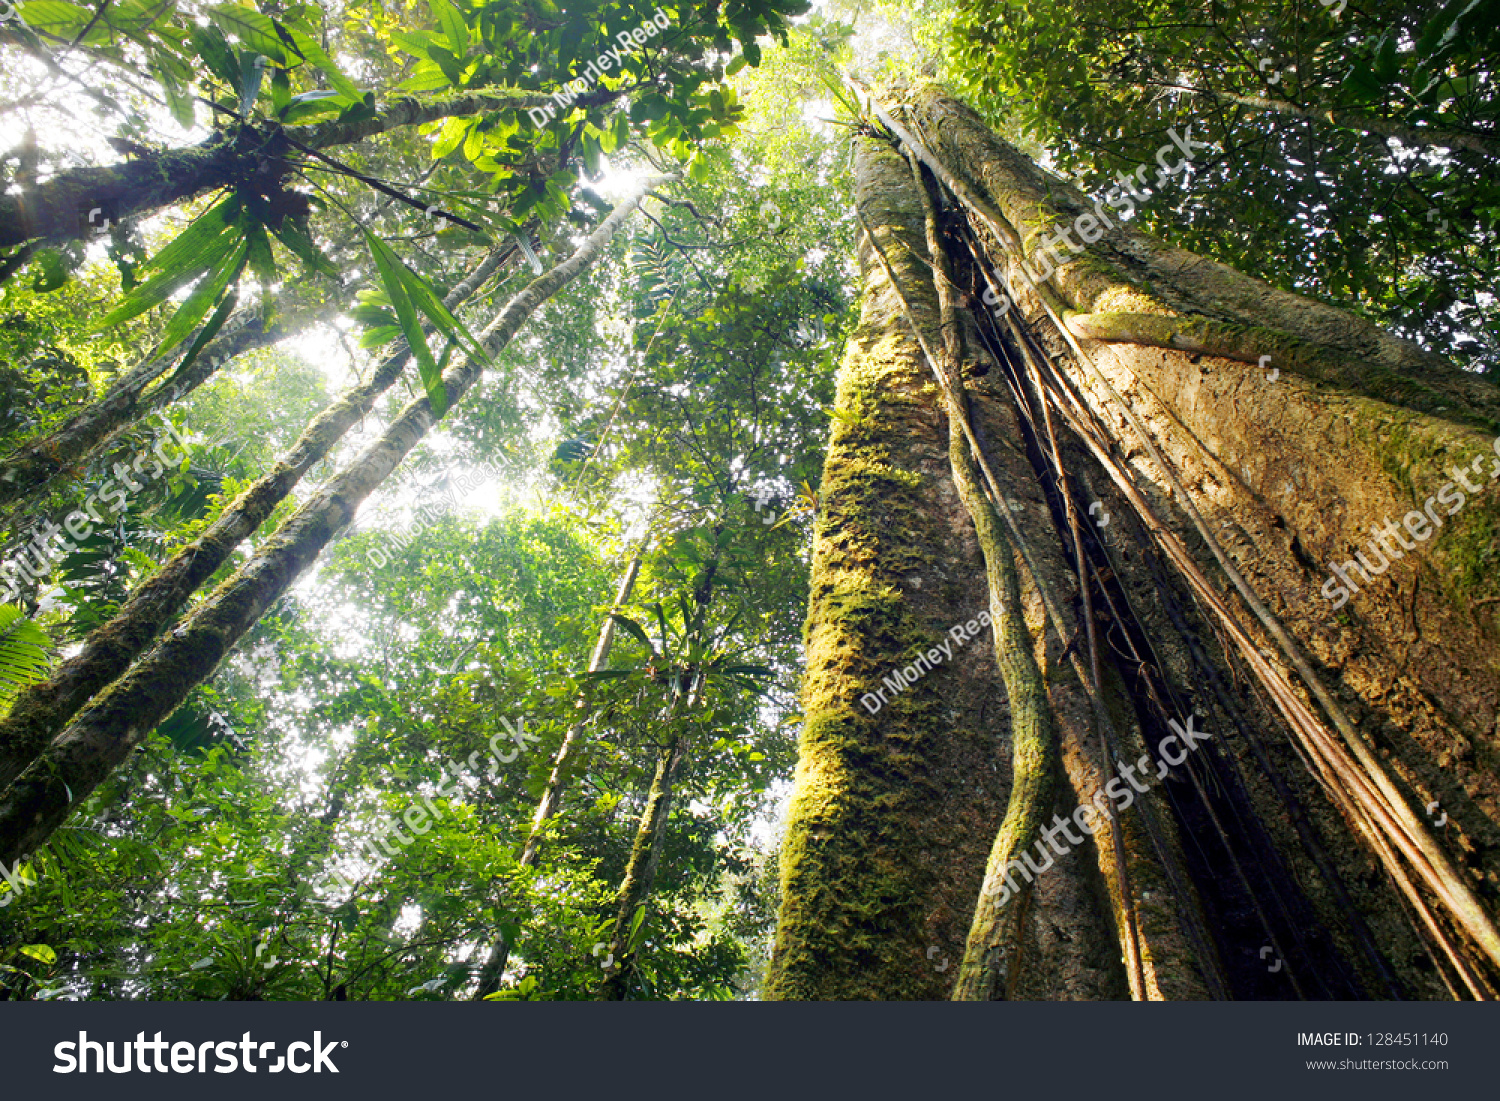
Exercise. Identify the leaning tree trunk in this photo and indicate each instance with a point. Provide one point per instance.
(28, 470)
(1320, 743)
(105, 733)
(45, 708)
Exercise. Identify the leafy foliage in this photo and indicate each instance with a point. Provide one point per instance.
(1323, 180)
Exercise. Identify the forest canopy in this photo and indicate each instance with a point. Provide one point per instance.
(436, 437)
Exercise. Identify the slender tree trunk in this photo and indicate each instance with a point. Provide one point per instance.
(104, 734)
(45, 708)
(562, 762)
(27, 472)
(640, 870)
(651, 833)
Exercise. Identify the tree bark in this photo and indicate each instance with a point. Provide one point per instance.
(1209, 469)
(59, 209)
(900, 790)
(103, 735)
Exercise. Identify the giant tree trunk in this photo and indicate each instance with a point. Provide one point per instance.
(1224, 488)
(893, 812)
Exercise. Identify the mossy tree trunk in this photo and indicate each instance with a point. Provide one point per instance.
(1134, 388)
(41, 711)
(103, 735)
(899, 790)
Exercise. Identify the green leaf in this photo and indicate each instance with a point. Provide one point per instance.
(179, 96)
(635, 629)
(60, 19)
(452, 68)
(430, 303)
(205, 334)
(261, 259)
(300, 245)
(190, 244)
(252, 69)
(51, 270)
(254, 30)
(40, 952)
(633, 939)
(452, 24)
(1385, 60)
(1362, 84)
(413, 42)
(213, 48)
(425, 77)
(390, 269)
(359, 112)
(25, 652)
(204, 295)
(197, 249)
(281, 92)
(311, 104)
(749, 670)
